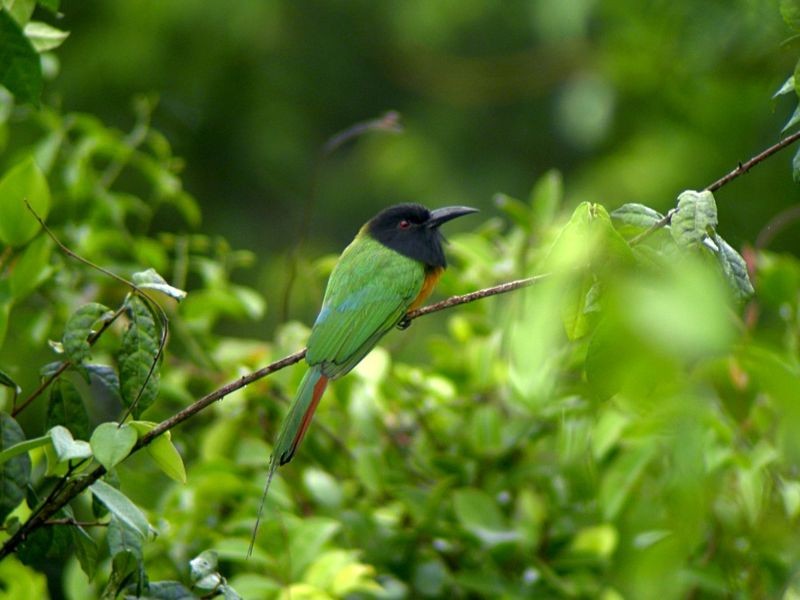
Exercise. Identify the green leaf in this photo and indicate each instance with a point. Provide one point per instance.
(123, 538)
(634, 218)
(734, 267)
(589, 239)
(578, 302)
(545, 199)
(79, 328)
(66, 408)
(163, 451)
(786, 88)
(111, 443)
(122, 507)
(6, 381)
(479, 514)
(16, 468)
(23, 182)
(138, 376)
(44, 37)
(151, 280)
(514, 209)
(20, 10)
(796, 166)
(695, 218)
(622, 477)
(33, 268)
(66, 447)
(20, 68)
(23, 447)
(51, 5)
(793, 120)
(306, 541)
(85, 550)
(790, 11)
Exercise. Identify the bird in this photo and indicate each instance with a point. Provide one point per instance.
(389, 269)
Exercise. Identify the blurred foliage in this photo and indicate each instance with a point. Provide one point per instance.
(626, 428)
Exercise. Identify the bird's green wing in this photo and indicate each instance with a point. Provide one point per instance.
(369, 291)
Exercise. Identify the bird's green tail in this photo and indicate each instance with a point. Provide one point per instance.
(294, 427)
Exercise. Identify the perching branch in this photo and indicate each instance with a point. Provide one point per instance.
(73, 487)
(741, 169)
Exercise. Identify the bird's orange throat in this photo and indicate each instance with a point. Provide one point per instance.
(432, 276)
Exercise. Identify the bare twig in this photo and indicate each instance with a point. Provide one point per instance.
(740, 169)
(743, 168)
(72, 488)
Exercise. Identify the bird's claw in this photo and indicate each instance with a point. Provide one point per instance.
(404, 323)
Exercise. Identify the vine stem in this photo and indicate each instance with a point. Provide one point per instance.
(75, 486)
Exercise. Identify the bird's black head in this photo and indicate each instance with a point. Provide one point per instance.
(413, 230)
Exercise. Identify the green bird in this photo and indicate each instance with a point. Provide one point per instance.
(389, 269)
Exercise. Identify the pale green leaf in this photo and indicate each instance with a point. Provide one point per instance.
(44, 37)
(111, 443)
(695, 217)
(122, 507)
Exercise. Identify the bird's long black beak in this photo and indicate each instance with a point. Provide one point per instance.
(443, 215)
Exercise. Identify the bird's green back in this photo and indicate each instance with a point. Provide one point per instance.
(368, 292)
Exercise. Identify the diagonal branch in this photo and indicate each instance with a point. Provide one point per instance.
(740, 169)
(76, 486)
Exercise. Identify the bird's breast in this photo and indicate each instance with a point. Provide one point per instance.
(432, 276)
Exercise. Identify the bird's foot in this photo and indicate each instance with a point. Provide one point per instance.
(404, 323)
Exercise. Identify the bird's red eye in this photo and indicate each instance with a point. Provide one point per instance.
(404, 224)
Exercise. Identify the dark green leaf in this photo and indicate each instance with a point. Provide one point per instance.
(15, 472)
(51, 5)
(23, 183)
(695, 218)
(85, 550)
(169, 590)
(79, 328)
(111, 443)
(66, 408)
(151, 280)
(734, 267)
(138, 376)
(20, 69)
(106, 378)
(36, 547)
(633, 218)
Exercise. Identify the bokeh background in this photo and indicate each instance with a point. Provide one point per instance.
(631, 101)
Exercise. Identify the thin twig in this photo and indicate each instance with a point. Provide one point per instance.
(740, 169)
(743, 168)
(78, 485)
